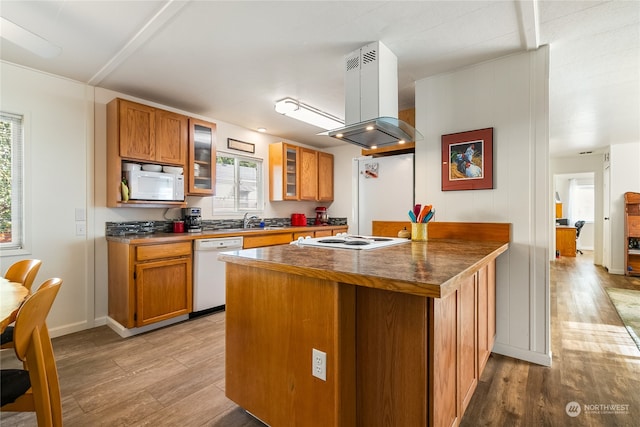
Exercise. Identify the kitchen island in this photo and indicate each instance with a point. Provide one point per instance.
(406, 330)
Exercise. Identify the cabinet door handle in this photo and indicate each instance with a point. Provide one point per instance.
(606, 218)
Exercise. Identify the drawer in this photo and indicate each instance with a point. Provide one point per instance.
(633, 224)
(303, 234)
(267, 240)
(323, 233)
(165, 250)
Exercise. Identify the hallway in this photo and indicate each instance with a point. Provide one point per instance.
(595, 361)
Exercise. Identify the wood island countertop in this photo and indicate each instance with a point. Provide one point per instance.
(429, 269)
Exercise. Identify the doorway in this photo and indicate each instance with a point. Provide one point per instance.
(575, 192)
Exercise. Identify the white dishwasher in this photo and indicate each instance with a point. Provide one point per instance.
(209, 273)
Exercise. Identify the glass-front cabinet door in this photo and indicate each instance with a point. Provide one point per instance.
(291, 174)
(202, 155)
(284, 168)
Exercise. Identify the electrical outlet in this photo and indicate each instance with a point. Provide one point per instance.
(319, 364)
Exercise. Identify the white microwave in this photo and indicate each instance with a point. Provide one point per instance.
(145, 185)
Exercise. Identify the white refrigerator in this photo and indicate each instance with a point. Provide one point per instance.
(383, 190)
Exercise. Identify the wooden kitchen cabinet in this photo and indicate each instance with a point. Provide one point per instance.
(202, 158)
(148, 134)
(284, 177)
(171, 138)
(142, 134)
(632, 234)
(263, 240)
(149, 283)
(325, 177)
(298, 173)
(486, 277)
(308, 174)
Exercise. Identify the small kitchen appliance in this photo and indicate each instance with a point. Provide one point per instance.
(192, 219)
(322, 217)
(298, 220)
(144, 185)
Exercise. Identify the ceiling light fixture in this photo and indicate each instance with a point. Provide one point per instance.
(308, 114)
(262, 130)
(27, 40)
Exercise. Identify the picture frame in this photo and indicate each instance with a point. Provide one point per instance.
(247, 147)
(467, 160)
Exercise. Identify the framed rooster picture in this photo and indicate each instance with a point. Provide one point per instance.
(467, 160)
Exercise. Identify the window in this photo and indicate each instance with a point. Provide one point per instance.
(11, 182)
(238, 184)
(582, 201)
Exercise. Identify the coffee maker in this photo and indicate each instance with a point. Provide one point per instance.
(192, 220)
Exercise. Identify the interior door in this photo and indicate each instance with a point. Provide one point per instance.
(606, 224)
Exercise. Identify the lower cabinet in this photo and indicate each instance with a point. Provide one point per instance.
(149, 283)
(464, 333)
(273, 239)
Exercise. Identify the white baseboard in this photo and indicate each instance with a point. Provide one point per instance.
(543, 359)
(69, 329)
(125, 332)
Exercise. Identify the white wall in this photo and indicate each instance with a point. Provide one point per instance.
(511, 95)
(58, 123)
(625, 176)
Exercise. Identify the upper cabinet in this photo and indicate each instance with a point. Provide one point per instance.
(298, 173)
(325, 177)
(308, 174)
(142, 134)
(202, 158)
(149, 134)
(171, 137)
(284, 179)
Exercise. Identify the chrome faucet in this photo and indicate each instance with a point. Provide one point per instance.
(246, 222)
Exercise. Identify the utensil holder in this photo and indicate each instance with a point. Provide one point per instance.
(419, 231)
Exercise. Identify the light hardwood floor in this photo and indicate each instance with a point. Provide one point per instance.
(175, 376)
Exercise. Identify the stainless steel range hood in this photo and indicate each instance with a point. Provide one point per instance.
(371, 100)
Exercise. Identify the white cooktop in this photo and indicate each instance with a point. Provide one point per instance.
(348, 241)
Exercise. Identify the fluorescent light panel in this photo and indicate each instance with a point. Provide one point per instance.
(308, 114)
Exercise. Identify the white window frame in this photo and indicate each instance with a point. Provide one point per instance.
(19, 188)
(259, 185)
(575, 188)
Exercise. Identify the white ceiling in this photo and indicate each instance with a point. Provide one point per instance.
(231, 60)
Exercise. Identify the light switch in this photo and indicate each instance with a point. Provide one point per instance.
(80, 214)
(81, 228)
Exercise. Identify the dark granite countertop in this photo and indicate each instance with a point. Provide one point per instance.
(430, 269)
(180, 237)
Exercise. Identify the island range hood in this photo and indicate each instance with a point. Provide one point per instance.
(371, 100)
